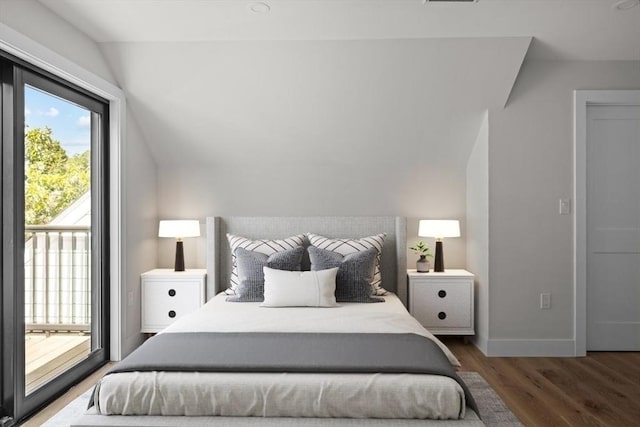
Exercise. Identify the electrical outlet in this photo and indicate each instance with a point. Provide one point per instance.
(545, 300)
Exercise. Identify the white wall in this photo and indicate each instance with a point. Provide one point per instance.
(478, 229)
(43, 26)
(277, 128)
(530, 158)
(141, 221)
(303, 190)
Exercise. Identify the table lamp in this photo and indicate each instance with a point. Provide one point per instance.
(439, 228)
(179, 229)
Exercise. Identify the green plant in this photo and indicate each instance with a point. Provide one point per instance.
(53, 179)
(420, 249)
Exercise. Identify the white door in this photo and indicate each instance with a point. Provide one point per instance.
(613, 228)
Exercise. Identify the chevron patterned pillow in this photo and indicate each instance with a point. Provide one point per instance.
(266, 247)
(348, 246)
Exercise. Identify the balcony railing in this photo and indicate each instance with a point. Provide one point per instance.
(57, 278)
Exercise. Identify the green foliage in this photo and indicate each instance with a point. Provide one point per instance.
(420, 249)
(53, 180)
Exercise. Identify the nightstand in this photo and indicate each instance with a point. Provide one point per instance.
(168, 294)
(442, 302)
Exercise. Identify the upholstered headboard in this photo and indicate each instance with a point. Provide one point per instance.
(393, 262)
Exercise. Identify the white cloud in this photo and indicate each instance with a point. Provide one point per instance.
(84, 121)
(52, 112)
(77, 146)
(27, 111)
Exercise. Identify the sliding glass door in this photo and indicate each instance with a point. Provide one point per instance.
(55, 236)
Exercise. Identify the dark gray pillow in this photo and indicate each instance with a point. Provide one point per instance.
(355, 273)
(251, 274)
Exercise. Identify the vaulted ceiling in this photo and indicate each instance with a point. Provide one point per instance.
(563, 29)
(213, 81)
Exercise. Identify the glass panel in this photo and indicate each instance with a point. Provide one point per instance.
(57, 258)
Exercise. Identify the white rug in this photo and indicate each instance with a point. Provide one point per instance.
(70, 412)
(492, 409)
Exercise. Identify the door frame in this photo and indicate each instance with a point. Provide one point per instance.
(581, 100)
(34, 53)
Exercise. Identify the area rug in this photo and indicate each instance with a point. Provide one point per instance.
(492, 409)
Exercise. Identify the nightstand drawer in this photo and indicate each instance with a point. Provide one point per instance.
(445, 305)
(442, 302)
(168, 301)
(168, 295)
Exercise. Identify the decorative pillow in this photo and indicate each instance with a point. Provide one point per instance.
(349, 246)
(299, 288)
(251, 275)
(355, 273)
(267, 247)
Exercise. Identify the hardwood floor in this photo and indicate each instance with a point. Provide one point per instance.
(602, 389)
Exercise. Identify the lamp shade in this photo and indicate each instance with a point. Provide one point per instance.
(439, 228)
(179, 228)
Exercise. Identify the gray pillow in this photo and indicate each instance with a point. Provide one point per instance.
(355, 273)
(264, 246)
(251, 274)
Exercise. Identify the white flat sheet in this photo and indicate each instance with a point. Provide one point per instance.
(391, 396)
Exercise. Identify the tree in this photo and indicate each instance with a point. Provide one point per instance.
(53, 180)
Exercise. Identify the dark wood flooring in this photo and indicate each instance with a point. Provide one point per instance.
(602, 389)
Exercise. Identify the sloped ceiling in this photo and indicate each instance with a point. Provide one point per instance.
(563, 29)
(323, 81)
(324, 101)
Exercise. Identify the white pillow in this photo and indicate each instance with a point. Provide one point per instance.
(299, 288)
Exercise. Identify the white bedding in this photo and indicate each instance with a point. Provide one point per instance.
(287, 394)
(391, 316)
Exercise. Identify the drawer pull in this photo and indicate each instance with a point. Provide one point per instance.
(442, 293)
(442, 315)
(172, 292)
(172, 314)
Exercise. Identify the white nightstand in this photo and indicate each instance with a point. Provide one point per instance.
(168, 294)
(442, 302)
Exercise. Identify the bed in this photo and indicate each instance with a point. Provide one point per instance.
(280, 366)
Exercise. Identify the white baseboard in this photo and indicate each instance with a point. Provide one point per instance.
(517, 347)
(526, 348)
(481, 342)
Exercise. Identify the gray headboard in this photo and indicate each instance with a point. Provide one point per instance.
(393, 263)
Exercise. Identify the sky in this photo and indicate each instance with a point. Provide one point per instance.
(71, 125)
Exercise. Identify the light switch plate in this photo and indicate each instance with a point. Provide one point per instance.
(565, 206)
(545, 300)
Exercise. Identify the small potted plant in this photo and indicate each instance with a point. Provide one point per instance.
(422, 265)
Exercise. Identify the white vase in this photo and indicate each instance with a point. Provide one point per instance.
(422, 265)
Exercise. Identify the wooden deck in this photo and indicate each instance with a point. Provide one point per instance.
(48, 355)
